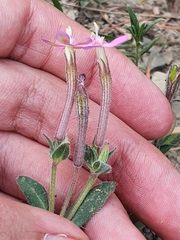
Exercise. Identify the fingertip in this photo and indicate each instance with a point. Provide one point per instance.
(161, 121)
(34, 223)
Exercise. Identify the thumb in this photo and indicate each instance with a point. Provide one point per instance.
(20, 221)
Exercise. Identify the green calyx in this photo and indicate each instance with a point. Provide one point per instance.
(58, 150)
(97, 163)
(174, 71)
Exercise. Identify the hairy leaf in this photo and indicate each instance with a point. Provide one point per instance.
(93, 202)
(34, 192)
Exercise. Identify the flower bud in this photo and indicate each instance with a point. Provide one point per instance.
(172, 81)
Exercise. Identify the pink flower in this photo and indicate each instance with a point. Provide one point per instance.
(98, 41)
(65, 39)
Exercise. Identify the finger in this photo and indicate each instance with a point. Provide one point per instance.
(144, 178)
(126, 140)
(148, 184)
(135, 99)
(37, 165)
(20, 221)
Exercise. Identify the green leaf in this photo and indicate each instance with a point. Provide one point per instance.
(101, 167)
(58, 150)
(129, 55)
(57, 5)
(103, 156)
(148, 46)
(95, 199)
(61, 152)
(108, 38)
(111, 153)
(176, 100)
(51, 145)
(166, 143)
(34, 192)
(150, 25)
(129, 29)
(140, 34)
(133, 19)
(83, 3)
(174, 72)
(90, 156)
(134, 33)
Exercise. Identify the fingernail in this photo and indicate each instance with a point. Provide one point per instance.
(58, 237)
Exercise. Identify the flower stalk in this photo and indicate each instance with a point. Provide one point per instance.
(87, 188)
(52, 187)
(82, 112)
(71, 78)
(106, 85)
(70, 192)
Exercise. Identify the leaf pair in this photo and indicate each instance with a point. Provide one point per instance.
(97, 163)
(36, 196)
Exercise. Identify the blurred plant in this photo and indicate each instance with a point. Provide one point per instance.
(84, 3)
(138, 31)
(172, 84)
(57, 4)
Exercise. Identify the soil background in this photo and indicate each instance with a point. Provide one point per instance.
(112, 15)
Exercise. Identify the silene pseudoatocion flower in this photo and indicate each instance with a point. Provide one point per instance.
(66, 39)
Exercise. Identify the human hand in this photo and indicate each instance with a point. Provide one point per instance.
(32, 96)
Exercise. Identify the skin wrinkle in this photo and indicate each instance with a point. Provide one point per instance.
(27, 35)
(10, 234)
(30, 98)
(29, 101)
(16, 217)
(92, 72)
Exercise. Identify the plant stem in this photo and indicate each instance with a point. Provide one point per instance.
(52, 187)
(82, 196)
(137, 54)
(70, 192)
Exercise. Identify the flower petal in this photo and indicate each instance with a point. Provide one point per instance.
(84, 41)
(117, 41)
(63, 37)
(51, 43)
